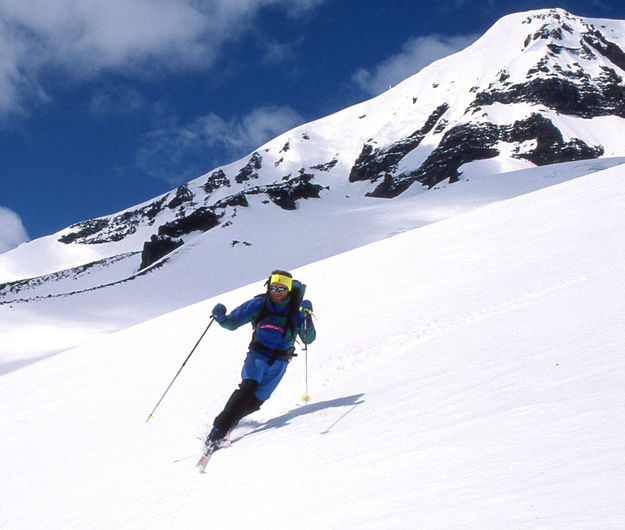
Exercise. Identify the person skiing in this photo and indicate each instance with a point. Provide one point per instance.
(278, 316)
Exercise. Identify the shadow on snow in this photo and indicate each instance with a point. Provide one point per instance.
(281, 421)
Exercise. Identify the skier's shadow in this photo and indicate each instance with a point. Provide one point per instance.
(281, 421)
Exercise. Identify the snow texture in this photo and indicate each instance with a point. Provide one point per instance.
(467, 374)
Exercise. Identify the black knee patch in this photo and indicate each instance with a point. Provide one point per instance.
(248, 387)
(253, 405)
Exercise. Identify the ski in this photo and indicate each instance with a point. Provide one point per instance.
(208, 451)
(226, 441)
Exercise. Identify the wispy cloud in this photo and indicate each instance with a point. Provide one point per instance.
(193, 146)
(116, 99)
(12, 231)
(415, 54)
(81, 39)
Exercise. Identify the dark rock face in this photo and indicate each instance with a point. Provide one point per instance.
(202, 219)
(374, 163)
(183, 194)
(325, 167)
(547, 32)
(216, 180)
(609, 50)
(153, 209)
(248, 171)
(156, 248)
(285, 195)
(460, 145)
(550, 146)
(238, 199)
(471, 141)
(106, 230)
(87, 229)
(605, 97)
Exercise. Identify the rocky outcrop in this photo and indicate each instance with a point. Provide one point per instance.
(573, 94)
(216, 180)
(156, 248)
(550, 146)
(460, 145)
(609, 50)
(374, 163)
(115, 228)
(249, 171)
(183, 195)
(327, 166)
(202, 220)
(286, 195)
(474, 141)
(87, 232)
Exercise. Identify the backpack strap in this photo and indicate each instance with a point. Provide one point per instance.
(285, 355)
(296, 296)
(263, 309)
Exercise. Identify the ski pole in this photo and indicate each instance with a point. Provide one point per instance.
(306, 396)
(151, 415)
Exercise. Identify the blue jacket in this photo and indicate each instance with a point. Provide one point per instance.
(272, 331)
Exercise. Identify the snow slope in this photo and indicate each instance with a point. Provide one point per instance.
(34, 321)
(467, 374)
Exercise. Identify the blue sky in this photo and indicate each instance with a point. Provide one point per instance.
(107, 103)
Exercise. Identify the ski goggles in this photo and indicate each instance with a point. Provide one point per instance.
(276, 289)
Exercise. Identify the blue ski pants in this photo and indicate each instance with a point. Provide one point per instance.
(267, 374)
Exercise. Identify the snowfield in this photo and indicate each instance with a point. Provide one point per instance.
(467, 374)
(66, 309)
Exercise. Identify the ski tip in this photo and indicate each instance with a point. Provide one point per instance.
(201, 465)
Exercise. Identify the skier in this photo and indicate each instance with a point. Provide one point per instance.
(278, 317)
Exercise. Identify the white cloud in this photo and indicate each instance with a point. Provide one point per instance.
(193, 146)
(263, 124)
(12, 231)
(416, 53)
(82, 38)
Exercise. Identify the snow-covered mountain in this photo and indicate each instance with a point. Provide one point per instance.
(538, 88)
(467, 374)
(498, 119)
